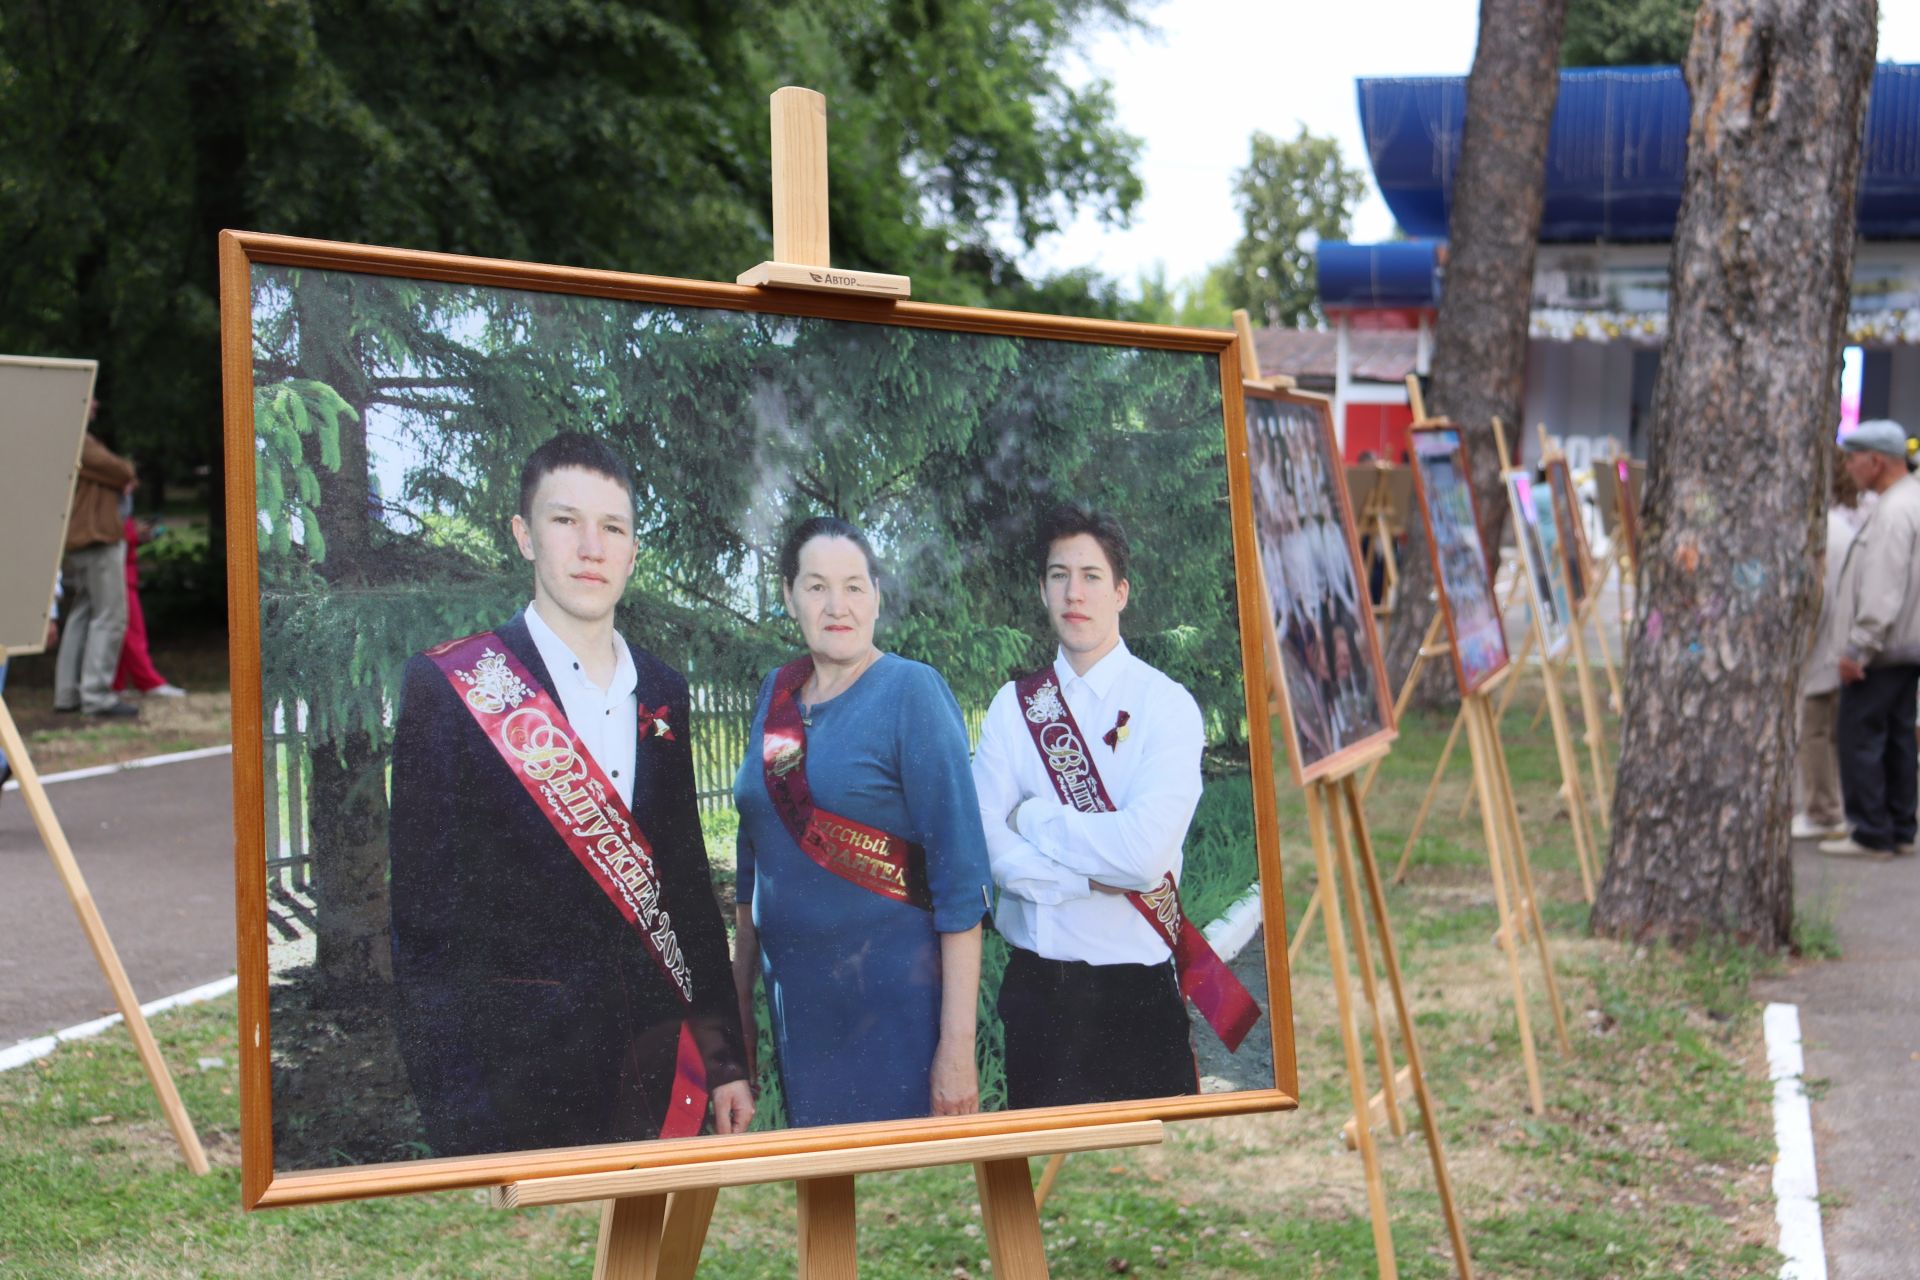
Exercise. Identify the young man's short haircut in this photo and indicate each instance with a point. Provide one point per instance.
(1070, 519)
(572, 449)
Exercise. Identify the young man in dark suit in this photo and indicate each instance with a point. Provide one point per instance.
(560, 960)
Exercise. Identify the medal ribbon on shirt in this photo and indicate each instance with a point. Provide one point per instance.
(1204, 977)
(877, 861)
(537, 744)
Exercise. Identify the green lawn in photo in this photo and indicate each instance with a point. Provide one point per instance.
(1654, 1155)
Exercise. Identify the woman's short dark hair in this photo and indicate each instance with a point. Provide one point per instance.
(571, 449)
(823, 527)
(1071, 519)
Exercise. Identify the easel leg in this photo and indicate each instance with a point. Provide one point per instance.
(826, 1227)
(1390, 957)
(1570, 776)
(1306, 923)
(103, 952)
(1012, 1220)
(1596, 731)
(1412, 682)
(1363, 954)
(1047, 1176)
(1523, 867)
(1490, 828)
(1317, 803)
(689, 1213)
(1426, 801)
(1618, 700)
(629, 1247)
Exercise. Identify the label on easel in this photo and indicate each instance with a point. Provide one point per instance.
(793, 275)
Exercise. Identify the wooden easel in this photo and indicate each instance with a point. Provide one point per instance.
(655, 1221)
(1338, 841)
(68, 869)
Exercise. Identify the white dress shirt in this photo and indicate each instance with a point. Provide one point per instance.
(1045, 868)
(606, 722)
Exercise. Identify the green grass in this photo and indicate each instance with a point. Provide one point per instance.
(1652, 1157)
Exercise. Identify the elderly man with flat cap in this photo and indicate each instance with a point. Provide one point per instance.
(1879, 594)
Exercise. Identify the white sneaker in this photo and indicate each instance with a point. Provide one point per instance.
(1805, 828)
(1848, 847)
(167, 691)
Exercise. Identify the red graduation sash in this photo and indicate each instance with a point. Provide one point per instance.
(1204, 977)
(876, 860)
(535, 741)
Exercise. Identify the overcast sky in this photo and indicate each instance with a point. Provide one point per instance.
(1216, 70)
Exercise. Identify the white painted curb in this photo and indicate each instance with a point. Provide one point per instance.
(1795, 1183)
(1234, 929)
(145, 762)
(19, 1055)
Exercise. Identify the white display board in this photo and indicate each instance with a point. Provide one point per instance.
(43, 420)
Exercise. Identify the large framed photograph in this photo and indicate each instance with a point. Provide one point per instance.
(1460, 566)
(1333, 684)
(1571, 526)
(1539, 544)
(680, 722)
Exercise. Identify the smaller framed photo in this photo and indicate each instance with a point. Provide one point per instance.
(1333, 684)
(1571, 527)
(1465, 586)
(1539, 542)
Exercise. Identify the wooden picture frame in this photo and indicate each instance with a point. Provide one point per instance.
(243, 255)
(1461, 572)
(1572, 528)
(1551, 610)
(1297, 502)
(1628, 475)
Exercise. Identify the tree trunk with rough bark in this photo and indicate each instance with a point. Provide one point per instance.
(1743, 419)
(1480, 342)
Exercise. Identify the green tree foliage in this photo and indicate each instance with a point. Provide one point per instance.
(1627, 33)
(1200, 301)
(607, 133)
(1286, 190)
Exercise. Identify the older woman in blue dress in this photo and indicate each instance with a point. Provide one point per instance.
(862, 866)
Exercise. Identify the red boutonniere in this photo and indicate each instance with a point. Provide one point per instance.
(1118, 734)
(656, 722)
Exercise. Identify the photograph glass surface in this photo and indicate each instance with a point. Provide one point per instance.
(1460, 562)
(1539, 549)
(448, 972)
(1322, 616)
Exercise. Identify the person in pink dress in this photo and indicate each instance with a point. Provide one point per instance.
(136, 664)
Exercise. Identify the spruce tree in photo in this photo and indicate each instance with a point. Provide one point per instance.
(1743, 420)
(1493, 229)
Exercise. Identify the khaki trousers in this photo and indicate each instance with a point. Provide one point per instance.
(1817, 780)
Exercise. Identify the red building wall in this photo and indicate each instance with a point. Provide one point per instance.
(1379, 429)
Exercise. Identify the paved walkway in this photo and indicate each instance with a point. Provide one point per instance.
(156, 848)
(1860, 1023)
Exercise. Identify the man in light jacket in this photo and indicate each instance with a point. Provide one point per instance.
(1817, 809)
(1879, 663)
(94, 572)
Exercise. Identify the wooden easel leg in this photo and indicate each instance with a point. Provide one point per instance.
(103, 952)
(826, 1227)
(1596, 731)
(1047, 1177)
(1012, 1220)
(1317, 815)
(1412, 682)
(1490, 828)
(1530, 897)
(1390, 957)
(1363, 956)
(1570, 776)
(1306, 923)
(1617, 699)
(1426, 801)
(629, 1247)
(689, 1213)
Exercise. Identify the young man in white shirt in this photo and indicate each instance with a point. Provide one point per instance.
(1091, 1001)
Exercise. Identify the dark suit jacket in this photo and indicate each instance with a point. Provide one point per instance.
(529, 1010)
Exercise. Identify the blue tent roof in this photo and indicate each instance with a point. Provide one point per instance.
(1616, 158)
(1397, 273)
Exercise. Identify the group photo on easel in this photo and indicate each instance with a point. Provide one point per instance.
(831, 584)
